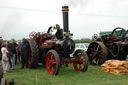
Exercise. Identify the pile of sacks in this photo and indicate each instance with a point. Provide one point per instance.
(115, 67)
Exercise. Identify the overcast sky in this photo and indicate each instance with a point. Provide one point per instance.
(86, 17)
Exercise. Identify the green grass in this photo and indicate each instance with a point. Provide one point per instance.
(67, 76)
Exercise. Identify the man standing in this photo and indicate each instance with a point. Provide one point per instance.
(24, 53)
(12, 47)
(0, 47)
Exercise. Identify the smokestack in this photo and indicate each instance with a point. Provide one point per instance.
(65, 18)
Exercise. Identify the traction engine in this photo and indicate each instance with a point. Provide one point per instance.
(107, 47)
(55, 47)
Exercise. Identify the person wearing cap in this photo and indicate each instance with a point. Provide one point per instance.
(24, 53)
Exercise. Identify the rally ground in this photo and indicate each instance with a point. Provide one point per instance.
(67, 76)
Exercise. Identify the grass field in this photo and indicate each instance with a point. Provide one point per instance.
(67, 76)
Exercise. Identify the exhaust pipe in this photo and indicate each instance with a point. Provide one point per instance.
(65, 19)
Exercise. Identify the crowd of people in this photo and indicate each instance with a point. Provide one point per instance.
(11, 52)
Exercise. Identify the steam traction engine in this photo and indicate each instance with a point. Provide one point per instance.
(55, 47)
(112, 46)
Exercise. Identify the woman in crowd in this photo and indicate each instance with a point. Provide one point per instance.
(5, 59)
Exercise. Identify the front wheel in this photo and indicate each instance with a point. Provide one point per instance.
(97, 53)
(81, 65)
(52, 62)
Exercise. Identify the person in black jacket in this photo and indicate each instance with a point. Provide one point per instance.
(0, 47)
(12, 47)
(24, 53)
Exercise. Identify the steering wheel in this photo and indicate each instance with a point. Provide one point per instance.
(119, 32)
(32, 34)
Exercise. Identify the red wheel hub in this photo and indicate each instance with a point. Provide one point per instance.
(79, 65)
(50, 63)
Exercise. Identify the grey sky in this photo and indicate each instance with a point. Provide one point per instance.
(86, 17)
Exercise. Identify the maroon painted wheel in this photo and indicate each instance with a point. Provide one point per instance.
(82, 64)
(52, 62)
(33, 53)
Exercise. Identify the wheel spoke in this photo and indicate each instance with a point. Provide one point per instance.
(97, 48)
(53, 69)
(91, 54)
(52, 57)
(80, 55)
(80, 67)
(96, 60)
(99, 51)
(83, 64)
(94, 57)
(100, 55)
(53, 62)
(91, 49)
(47, 59)
(100, 61)
(94, 47)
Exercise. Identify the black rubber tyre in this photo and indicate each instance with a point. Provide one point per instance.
(1, 71)
(82, 64)
(34, 52)
(115, 50)
(97, 53)
(52, 62)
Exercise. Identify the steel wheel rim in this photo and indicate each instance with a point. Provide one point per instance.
(51, 63)
(96, 54)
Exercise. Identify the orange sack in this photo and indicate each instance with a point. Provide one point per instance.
(115, 67)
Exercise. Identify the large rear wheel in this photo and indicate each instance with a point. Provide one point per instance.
(82, 64)
(97, 53)
(33, 53)
(52, 62)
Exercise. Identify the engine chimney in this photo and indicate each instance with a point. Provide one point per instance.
(65, 18)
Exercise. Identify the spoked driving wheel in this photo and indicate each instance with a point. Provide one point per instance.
(81, 65)
(97, 53)
(52, 62)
